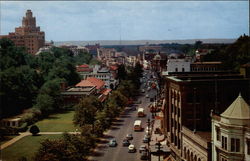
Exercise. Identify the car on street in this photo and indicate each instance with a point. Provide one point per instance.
(129, 136)
(131, 148)
(142, 148)
(125, 142)
(133, 108)
(146, 138)
(142, 91)
(138, 102)
(148, 130)
(144, 156)
(147, 96)
(112, 143)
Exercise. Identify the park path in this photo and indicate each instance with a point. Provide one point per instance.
(23, 134)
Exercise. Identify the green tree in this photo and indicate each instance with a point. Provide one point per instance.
(34, 130)
(85, 111)
(122, 74)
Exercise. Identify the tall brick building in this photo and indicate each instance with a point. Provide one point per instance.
(28, 35)
(189, 101)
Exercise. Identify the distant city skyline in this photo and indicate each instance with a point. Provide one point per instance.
(128, 20)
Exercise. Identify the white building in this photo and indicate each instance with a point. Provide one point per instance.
(231, 133)
(178, 65)
(102, 73)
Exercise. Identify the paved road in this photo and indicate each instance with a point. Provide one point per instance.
(119, 130)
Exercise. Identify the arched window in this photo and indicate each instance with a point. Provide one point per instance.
(188, 156)
(191, 157)
(195, 158)
(185, 153)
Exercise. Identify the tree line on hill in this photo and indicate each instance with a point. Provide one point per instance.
(93, 118)
(233, 55)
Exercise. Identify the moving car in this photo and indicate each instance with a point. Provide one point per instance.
(129, 136)
(142, 148)
(140, 112)
(125, 142)
(137, 125)
(131, 148)
(144, 156)
(112, 143)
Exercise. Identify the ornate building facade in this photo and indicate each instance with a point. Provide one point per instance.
(231, 133)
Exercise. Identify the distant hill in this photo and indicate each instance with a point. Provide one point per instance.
(142, 42)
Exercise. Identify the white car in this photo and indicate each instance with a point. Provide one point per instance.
(147, 96)
(148, 129)
(131, 148)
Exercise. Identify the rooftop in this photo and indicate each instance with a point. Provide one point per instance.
(97, 82)
(85, 83)
(239, 109)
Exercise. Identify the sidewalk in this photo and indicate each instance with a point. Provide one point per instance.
(155, 138)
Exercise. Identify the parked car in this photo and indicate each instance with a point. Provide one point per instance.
(112, 143)
(148, 130)
(144, 156)
(125, 142)
(131, 148)
(142, 148)
(138, 102)
(133, 108)
(146, 138)
(147, 96)
(129, 136)
(142, 91)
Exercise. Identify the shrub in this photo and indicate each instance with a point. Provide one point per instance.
(23, 127)
(34, 130)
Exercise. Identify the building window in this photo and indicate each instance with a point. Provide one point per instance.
(248, 146)
(176, 69)
(224, 142)
(235, 145)
(217, 133)
(183, 70)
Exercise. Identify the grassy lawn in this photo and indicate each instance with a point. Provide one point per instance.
(7, 138)
(26, 147)
(61, 122)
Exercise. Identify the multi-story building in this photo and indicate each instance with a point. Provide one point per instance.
(102, 73)
(231, 133)
(206, 66)
(190, 98)
(28, 35)
(178, 65)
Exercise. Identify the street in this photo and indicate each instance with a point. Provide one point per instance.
(120, 128)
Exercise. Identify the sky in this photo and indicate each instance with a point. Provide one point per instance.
(130, 20)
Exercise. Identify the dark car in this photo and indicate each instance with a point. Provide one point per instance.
(125, 142)
(144, 156)
(133, 108)
(129, 136)
(112, 143)
(146, 139)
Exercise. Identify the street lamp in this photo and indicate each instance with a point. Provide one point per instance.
(158, 146)
(148, 123)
